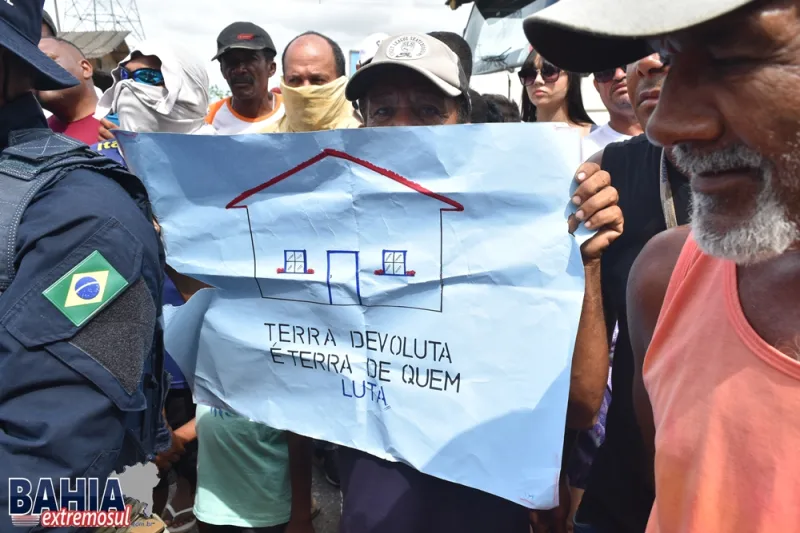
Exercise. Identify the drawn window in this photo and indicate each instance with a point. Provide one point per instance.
(294, 261)
(394, 262)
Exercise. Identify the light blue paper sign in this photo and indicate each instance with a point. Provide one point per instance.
(409, 292)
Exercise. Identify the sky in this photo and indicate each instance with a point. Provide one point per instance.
(195, 24)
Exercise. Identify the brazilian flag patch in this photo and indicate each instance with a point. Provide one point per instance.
(86, 289)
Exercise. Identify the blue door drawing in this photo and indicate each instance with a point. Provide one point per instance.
(343, 284)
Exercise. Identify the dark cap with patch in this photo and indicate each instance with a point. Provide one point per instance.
(243, 36)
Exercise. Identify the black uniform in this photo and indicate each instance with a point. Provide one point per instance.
(617, 498)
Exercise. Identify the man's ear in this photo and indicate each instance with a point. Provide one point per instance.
(87, 70)
(596, 85)
(273, 68)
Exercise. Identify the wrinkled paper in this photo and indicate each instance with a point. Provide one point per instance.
(409, 292)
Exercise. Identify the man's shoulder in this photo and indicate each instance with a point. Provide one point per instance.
(85, 228)
(77, 182)
(653, 268)
(89, 197)
(640, 143)
(598, 131)
(53, 121)
(214, 108)
(631, 154)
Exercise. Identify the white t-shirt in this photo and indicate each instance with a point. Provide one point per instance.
(599, 138)
(228, 122)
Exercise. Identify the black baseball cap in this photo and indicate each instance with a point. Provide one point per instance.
(244, 36)
(20, 32)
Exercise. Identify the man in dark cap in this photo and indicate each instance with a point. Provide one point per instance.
(246, 58)
(81, 365)
(714, 306)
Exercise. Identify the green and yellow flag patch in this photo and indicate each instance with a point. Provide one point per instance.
(86, 289)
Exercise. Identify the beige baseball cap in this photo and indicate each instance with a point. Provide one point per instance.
(593, 35)
(415, 51)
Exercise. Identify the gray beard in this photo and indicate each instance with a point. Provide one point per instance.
(767, 234)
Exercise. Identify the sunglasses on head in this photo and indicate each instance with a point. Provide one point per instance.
(605, 76)
(550, 73)
(148, 76)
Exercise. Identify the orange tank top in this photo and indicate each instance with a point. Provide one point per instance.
(726, 407)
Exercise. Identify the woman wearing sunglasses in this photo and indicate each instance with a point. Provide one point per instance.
(550, 94)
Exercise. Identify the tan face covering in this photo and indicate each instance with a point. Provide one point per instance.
(317, 107)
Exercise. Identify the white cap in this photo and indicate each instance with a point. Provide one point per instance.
(594, 35)
(369, 47)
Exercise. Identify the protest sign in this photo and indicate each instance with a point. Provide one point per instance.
(409, 292)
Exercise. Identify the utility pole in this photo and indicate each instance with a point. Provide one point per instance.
(58, 18)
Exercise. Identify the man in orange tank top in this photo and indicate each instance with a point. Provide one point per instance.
(714, 318)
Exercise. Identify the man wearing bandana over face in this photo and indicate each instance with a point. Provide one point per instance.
(313, 87)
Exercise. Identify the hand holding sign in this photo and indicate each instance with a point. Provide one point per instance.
(597, 210)
(368, 298)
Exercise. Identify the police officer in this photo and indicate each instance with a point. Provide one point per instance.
(81, 268)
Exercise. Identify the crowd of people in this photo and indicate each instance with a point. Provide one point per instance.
(683, 402)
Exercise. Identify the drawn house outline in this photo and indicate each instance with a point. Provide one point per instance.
(240, 202)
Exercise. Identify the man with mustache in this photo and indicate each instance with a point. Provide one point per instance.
(247, 60)
(612, 87)
(714, 320)
(617, 493)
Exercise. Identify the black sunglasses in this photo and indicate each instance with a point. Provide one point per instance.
(550, 73)
(605, 76)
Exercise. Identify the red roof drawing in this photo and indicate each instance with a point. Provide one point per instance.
(236, 203)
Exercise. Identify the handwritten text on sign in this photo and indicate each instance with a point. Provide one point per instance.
(325, 354)
(421, 309)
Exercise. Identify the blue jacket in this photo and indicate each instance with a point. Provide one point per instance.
(74, 398)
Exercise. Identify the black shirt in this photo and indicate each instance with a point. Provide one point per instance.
(617, 497)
